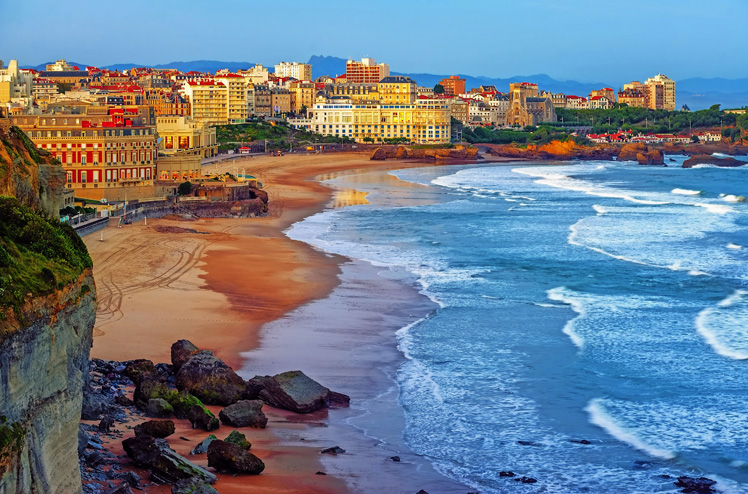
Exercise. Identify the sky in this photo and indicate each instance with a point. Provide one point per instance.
(582, 40)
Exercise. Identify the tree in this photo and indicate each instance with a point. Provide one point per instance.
(184, 188)
(438, 89)
(64, 87)
(303, 110)
(694, 138)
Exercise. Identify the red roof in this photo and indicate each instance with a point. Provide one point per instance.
(227, 75)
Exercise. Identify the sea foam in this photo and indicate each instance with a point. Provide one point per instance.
(601, 418)
(725, 326)
(561, 294)
(686, 192)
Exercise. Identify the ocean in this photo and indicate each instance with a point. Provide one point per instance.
(589, 325)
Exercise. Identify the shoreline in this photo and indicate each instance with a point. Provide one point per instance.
(220, 286)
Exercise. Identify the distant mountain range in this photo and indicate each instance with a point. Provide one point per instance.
(698, 93)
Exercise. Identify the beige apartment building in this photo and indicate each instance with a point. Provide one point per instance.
(280, 101)
(299, 71)
(236, 103)
(208, 101)
(302, 94)
(660, 93)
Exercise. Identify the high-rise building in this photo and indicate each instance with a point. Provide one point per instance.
(660, 92)
(365, 71)
(453, 85)
(236, 104)
(208, 101)
(299, 71)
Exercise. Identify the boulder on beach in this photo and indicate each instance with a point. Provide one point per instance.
(147, 388)
(203, 446)
(629, 151)
(193, 486)
(138, 369)
(202, 418)
(379, 154)
(227, 457)
(239, 439)
(155, 428)
(165, 465)
(159, 408)
(255, 385)
(297, 392)
(181, 352)
(210, 379)
(244, 413)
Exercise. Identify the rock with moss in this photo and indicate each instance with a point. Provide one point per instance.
(297, 392)
(181, 352)
(239, 439)
(202, 418)
(210, 379)
(159, 408)
(193, 486)
(155, 428)
(244, 413)
(227, 457)
(165, 465)
(148, 388)
(183, 402)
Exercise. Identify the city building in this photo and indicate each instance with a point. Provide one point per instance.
(599, 103)
(61, 66)
(574, 102)
(303, 94)
(107, 152)
(660, 93)
(424, 122)
(256, 75)
(635, 98)
(262, 98)
(280, 101)
(558, 99)
(182, 134)
(358, 93)
(365, 71)
(299, 71)
(606, 92)
(396, 90)
(208, 101)
(236, 102)
(16, 88)
(453, 85)
(527, 107)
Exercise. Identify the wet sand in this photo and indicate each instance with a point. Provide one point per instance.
(158, 283)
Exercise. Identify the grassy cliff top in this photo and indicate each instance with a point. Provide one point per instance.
(38, 255)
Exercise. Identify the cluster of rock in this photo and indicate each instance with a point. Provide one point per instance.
(708, 159)
(182, 389)
(403, 153)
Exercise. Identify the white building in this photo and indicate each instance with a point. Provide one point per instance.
(299, 71)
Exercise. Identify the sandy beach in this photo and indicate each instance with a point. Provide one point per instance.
(158, 282)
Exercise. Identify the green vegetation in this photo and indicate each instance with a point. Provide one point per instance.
(645, 120)
(530, 135)
(38, 255)
(278, 134)
(184, 188)
(438, 89)
(11, 438)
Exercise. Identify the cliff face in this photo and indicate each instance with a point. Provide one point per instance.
(44, 367)
(47, 312)
(30, 174)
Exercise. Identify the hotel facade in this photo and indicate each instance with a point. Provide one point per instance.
(107, 152)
